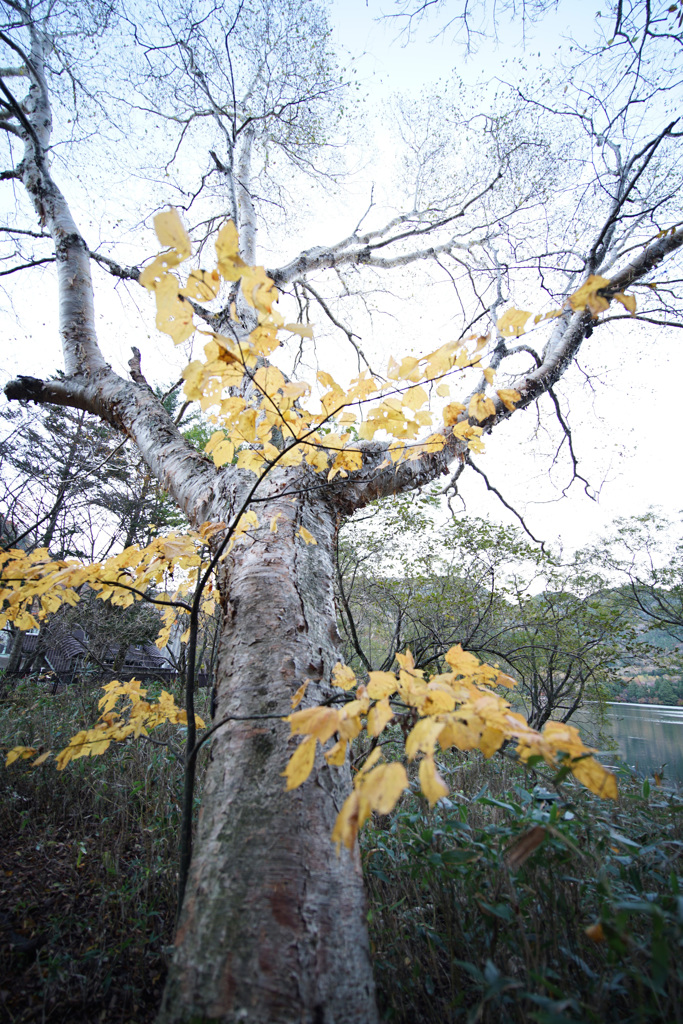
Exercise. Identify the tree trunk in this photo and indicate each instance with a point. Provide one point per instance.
(14, 662)
(273, 923)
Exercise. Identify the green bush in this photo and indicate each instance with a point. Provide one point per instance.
(458, 935)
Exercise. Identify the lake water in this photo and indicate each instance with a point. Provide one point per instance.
(647, 736)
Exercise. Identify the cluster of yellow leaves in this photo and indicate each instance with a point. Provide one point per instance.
(254, 407)
(250, 430)
(136, 719)
(459, 708)
(34, 585)
(513, 322)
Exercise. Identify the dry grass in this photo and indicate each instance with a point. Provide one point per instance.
(88, 869)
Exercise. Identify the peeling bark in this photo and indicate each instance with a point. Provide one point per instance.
(273, 925)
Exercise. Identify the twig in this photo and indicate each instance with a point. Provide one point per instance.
(502, 500)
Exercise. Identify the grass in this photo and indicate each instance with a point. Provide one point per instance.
(458, 935)
(88, 872)
(87, 868)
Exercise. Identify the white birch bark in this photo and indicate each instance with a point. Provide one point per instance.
(245, 201)
(273, 924)
(90, 383)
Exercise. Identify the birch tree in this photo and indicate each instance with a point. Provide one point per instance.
(272, 927)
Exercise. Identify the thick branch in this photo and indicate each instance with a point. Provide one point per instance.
(131, 407)
(570, 329)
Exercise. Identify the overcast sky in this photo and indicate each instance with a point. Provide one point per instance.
(625, 419)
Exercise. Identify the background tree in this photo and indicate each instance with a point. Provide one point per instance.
(554, 626)
(73, 485)
(647, 553)
(642, 558)
(565, 649)
(273, 925)
(430, 588)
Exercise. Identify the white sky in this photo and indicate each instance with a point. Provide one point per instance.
(625, 421)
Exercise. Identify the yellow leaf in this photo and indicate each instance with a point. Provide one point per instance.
(509, 397)
(372, 759)
(300, 763)
(463, 735)
(343, 677)
(451, 413)
(382, 684)
(269, 379)
(258, 289)
(336, 755)
(175, 546)
(223, 453)
(379, 717)
(246, 425)
(547, 316)
(227, 250)
(511, 324)
(587, 295)
(595, 932)
(25, 621)
(171, 233)
(247, 521)
(490, 741)
(481, 407)
(19, 753)
(303, 330)
(306, 535)
(504, 680)
(291, 390)
(595, 777)
(415, 397)
(382, 786)
(406, 660)
(443, 391)
(250, 459)
(202, 284)
(273, 522)
(41, 759)
(431, 783)
(461, 662)
(346, 826)
(409, 369)
(392, 369)
(489, 374)
(163, 639)
(158, 269)
(320, 722)
(423, 737)
(627, 301)
(66, 755)
(437, 702)
(299, 695)
(174, 314)
(216, 438)
(346, 462)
